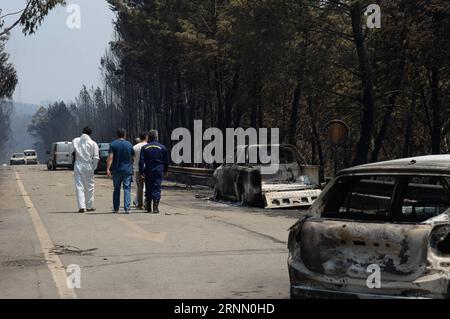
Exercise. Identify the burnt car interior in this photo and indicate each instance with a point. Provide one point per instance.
(286, 155)
(402, 199)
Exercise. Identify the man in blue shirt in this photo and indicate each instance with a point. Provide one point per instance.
(153, 165)
(120, 166)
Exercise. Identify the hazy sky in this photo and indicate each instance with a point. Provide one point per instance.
(55, 62)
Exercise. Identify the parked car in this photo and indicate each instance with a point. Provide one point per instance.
(18, 159)
(377, 230)
(295, 184)
(103, 150)
(60, 155)
(30, 157)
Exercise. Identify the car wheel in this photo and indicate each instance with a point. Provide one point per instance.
(216, 194)
(49, 165)
(240, 191)
(243, 200)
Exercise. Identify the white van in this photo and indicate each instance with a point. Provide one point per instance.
(30, 157)
(60, 155)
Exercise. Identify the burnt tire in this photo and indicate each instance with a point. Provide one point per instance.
(241, 194)
(243, 199)
(216, 193)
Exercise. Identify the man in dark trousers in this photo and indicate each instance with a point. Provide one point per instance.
(119, 165)
(153, 165)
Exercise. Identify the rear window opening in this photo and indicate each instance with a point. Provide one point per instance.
(388, 198)
(104, 153)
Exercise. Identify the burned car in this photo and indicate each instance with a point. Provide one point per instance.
(295, 184)
(379, 230)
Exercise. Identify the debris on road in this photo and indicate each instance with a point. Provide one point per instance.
(295, 184)
(71, 250)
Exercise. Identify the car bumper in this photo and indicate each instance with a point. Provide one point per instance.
(305, 292)
(305, 284)
(18, 163)
(291, 198)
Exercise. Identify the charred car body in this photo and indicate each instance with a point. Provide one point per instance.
(295, 184)
(392, 216)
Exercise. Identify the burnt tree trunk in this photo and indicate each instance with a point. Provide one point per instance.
(316, 134)
(408, 128)
(230, 96)
(363, 145)
(292, 133)
(436, 135)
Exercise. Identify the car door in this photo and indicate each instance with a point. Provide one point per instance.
(63, 154)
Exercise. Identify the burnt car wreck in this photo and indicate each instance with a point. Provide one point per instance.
(394, 215)
(295, 184)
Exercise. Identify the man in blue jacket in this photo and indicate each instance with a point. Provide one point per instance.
(153, 165)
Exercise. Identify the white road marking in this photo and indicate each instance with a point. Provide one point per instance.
(141, 233)
(54, 263)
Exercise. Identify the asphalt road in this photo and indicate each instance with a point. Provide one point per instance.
(195, 248)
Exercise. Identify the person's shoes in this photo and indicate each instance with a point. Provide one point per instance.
(115, 211)
(149, 206)
(140, 207)
(91, 209)
(127, 212)
(155, 207)
(81, 210)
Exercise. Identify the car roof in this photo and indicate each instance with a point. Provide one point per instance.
(421, 165)
(18, 154)
(29, 151)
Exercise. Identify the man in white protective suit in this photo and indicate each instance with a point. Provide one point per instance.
(86, 160)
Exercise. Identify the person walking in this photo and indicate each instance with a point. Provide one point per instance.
(119, 165)
(139, 199)
(86, 161)
(153, 165)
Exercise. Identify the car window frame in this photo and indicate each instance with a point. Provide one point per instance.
(398, 194)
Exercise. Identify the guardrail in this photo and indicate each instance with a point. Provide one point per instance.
(191, 175)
